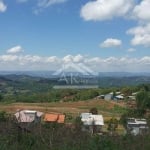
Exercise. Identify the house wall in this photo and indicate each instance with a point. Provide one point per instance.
(108, 97)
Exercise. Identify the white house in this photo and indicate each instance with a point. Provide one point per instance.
(28, 116)
(108, 96)
(119, 97)
(137, 126)
(91, 122)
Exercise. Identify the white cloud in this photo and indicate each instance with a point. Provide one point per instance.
(141, 11)
(105, 9)
(131, 50)
(42, 4)
(14, 50)
(8, 58)
(47, 3)
(141, 35)
(110, 42)
(35, 62)
(141, 32)
(3, 7)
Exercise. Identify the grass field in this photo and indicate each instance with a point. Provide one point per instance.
(107, 109)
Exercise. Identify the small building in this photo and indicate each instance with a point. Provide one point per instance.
(117, 93)
(134, 94)
(108, 96)
(27, 118)
(137, 126)
(131, 97)
(100, 97)
(58, 118)
(119, 97)
(92, 123)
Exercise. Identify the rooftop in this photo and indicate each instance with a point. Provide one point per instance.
(59, 118)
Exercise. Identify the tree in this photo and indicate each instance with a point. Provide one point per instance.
(126, 91)
(94, 111)
(145, 87)
(143, 100)
(1, 97)
(78, 123)
(112, 124)
(3, 116)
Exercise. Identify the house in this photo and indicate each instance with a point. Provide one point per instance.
(108, 96)
(59, 118)
(92, 123)
(134, 94)
(137, 126)
(131, 97)
(117, 93)
(119, 97)
(100, 97)
(28, 116)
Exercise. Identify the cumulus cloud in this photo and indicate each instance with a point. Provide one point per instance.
(99, 10)
(141, 10)
(3, 7)
(14, 50)
(35, 62)
(141, 35)
(110, 42)
(141, 32)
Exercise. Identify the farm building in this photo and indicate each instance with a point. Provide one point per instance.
(92, 123)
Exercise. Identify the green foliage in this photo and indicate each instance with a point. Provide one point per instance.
(119, 109)
(94, 111)
(143, 100)
(86, 94)
(68, 117)
(131, 113)
(144, 87)
(1, 97)
(53, 137)
(3, 116)
(78, 123)
(127, 91)
(112, 124)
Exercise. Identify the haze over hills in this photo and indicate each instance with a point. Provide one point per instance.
(49, 74)
(41, 79)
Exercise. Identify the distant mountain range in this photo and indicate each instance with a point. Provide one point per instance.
(50, 74)
(44, 80)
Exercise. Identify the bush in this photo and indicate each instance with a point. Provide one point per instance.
(3, 116)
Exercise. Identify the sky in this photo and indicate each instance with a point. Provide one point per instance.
(104, 35)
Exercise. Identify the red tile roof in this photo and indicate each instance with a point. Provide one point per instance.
(59, 118)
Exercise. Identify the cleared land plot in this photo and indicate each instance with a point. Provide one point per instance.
(108, 109)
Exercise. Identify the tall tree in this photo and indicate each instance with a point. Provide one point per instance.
(143, 100)
(1, 97)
